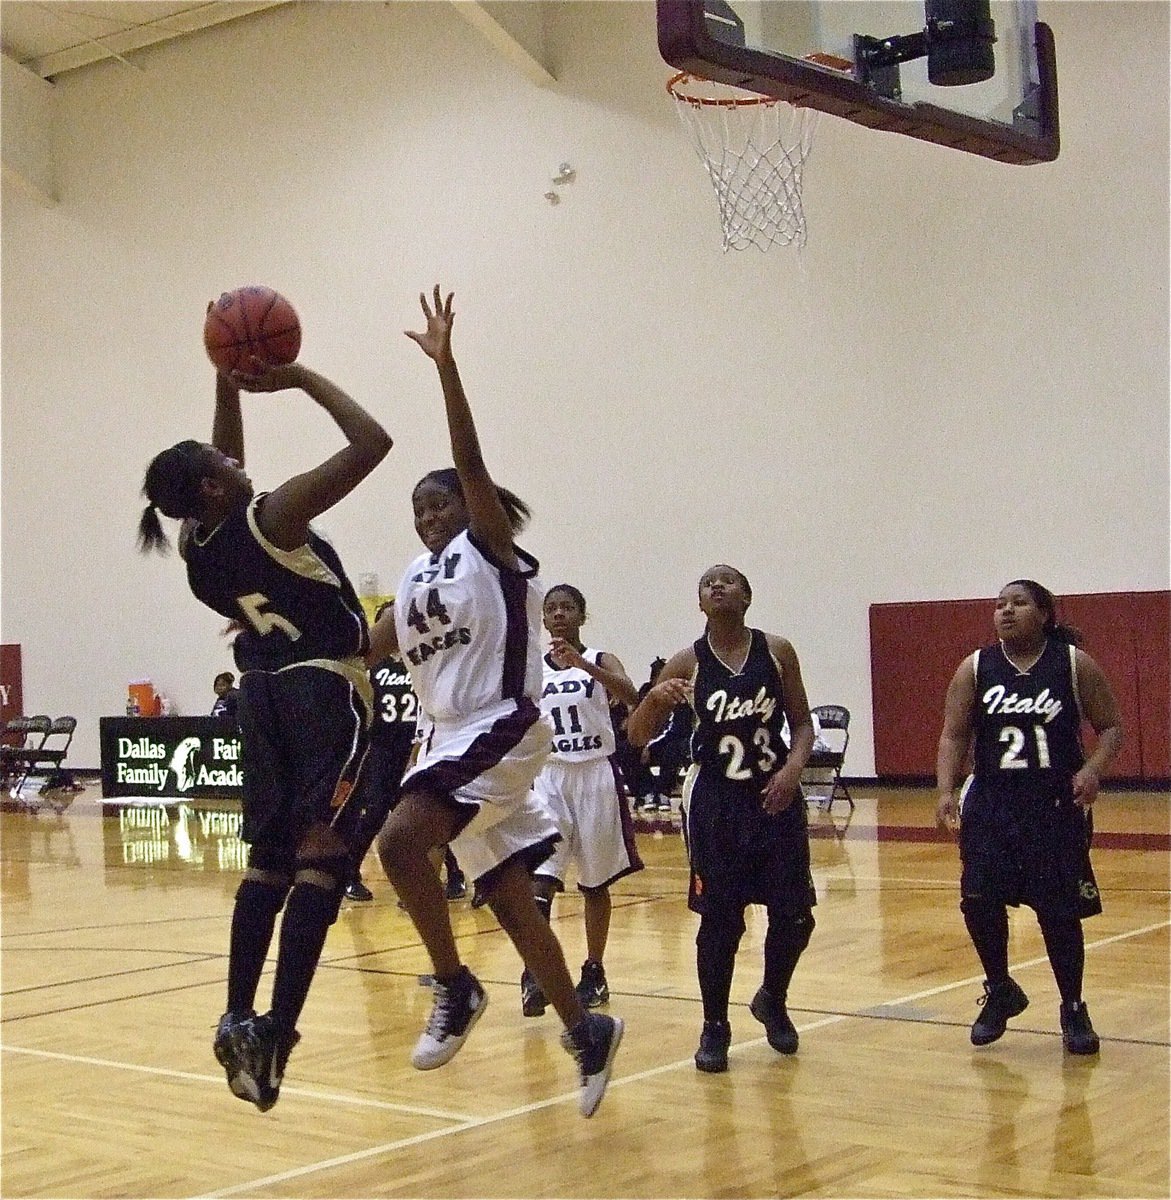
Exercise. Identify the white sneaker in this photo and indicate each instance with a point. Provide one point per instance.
(593, 1041)
(458, 1006)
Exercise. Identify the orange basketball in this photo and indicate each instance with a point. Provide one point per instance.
(251, 322)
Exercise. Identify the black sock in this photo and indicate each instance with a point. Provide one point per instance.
(715, 960)
(545, 906)
(784, 943)
(308, 915)
(987, 924)
(1065, 944)
(253, 921)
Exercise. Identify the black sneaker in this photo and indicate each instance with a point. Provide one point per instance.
(712, 1055)
(664, 804)
(1076, 1031)
(593, 1042)
(357, 890)
(456, 888)
(263, 1052)
(778, 1028)
(458, 1006)
(1000, 1001)
(592, 990)
(532, 1000)
(478, 898)
(224, 1046)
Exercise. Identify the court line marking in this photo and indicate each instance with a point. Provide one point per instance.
(197, 1077)
(740, 1047)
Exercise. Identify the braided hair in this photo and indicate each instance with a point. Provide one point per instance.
(171, 487)
(448, 479)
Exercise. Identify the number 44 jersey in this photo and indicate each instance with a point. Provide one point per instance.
(469, 630)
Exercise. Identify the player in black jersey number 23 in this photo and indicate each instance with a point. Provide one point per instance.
(743, 816)
(304, 694)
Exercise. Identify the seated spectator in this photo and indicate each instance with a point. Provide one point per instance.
(227, 696)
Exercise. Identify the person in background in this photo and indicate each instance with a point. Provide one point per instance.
(467, 623)
(746, 832)
(392, 739)
(1025, 816)
(304, 703)
(582, 787)
(227, 696)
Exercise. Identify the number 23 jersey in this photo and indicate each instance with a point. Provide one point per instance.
(469, 630)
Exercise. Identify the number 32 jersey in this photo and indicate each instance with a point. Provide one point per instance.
(469, 630)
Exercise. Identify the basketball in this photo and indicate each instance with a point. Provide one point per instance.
(251, 322)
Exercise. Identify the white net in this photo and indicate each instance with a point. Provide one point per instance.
(754, 149)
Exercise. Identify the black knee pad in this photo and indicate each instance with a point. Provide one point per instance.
(263, 893)
(720, 931)
(323, 880)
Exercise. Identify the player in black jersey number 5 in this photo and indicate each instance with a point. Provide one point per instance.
(304, 694)
(1025, 823)
(744, 818)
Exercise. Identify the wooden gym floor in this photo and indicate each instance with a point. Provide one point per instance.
(115, 931)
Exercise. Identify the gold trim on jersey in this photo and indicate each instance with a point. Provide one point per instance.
(353, 669)
(303, 561)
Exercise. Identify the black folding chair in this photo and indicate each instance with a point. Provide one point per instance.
(14, 755)
(835, 733)
(47, 758)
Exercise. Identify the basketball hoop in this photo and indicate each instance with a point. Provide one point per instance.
(754, 148)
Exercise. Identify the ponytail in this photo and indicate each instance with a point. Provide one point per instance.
(1043, 598)
(171, 486)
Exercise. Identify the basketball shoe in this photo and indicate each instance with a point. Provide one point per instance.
(263, 1051)
(592, 989)
(532, 1000)
(458, 1005)
(224, 1046)
(714, 1040)
(593, 1042)
(1076, 1031)
(1000, 1002)
(778, 1028)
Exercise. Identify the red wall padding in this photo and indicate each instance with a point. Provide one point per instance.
(915, 648)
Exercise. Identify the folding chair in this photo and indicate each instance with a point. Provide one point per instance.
(32, 732)
(835, 734)
(46, 759)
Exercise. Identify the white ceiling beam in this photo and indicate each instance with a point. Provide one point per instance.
(115, 45)
(26, 141)
(516, 29)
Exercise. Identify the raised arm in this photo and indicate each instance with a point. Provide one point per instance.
(674, 687)
(954, 741)
(488, 519)
(383, 638)
(227, 426)
(287, 511)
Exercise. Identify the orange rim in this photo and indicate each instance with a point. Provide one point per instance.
(684, 77)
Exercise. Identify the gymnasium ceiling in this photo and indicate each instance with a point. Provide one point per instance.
(53, 37)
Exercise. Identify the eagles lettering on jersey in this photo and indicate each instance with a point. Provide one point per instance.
(468, 629)
(739, 715)
(293, 605)
(578, 706)
(1027, 722)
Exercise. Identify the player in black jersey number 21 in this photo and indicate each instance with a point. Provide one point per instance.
(1025, 824)
(304, 702)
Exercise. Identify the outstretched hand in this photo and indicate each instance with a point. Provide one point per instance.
(435, 340)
